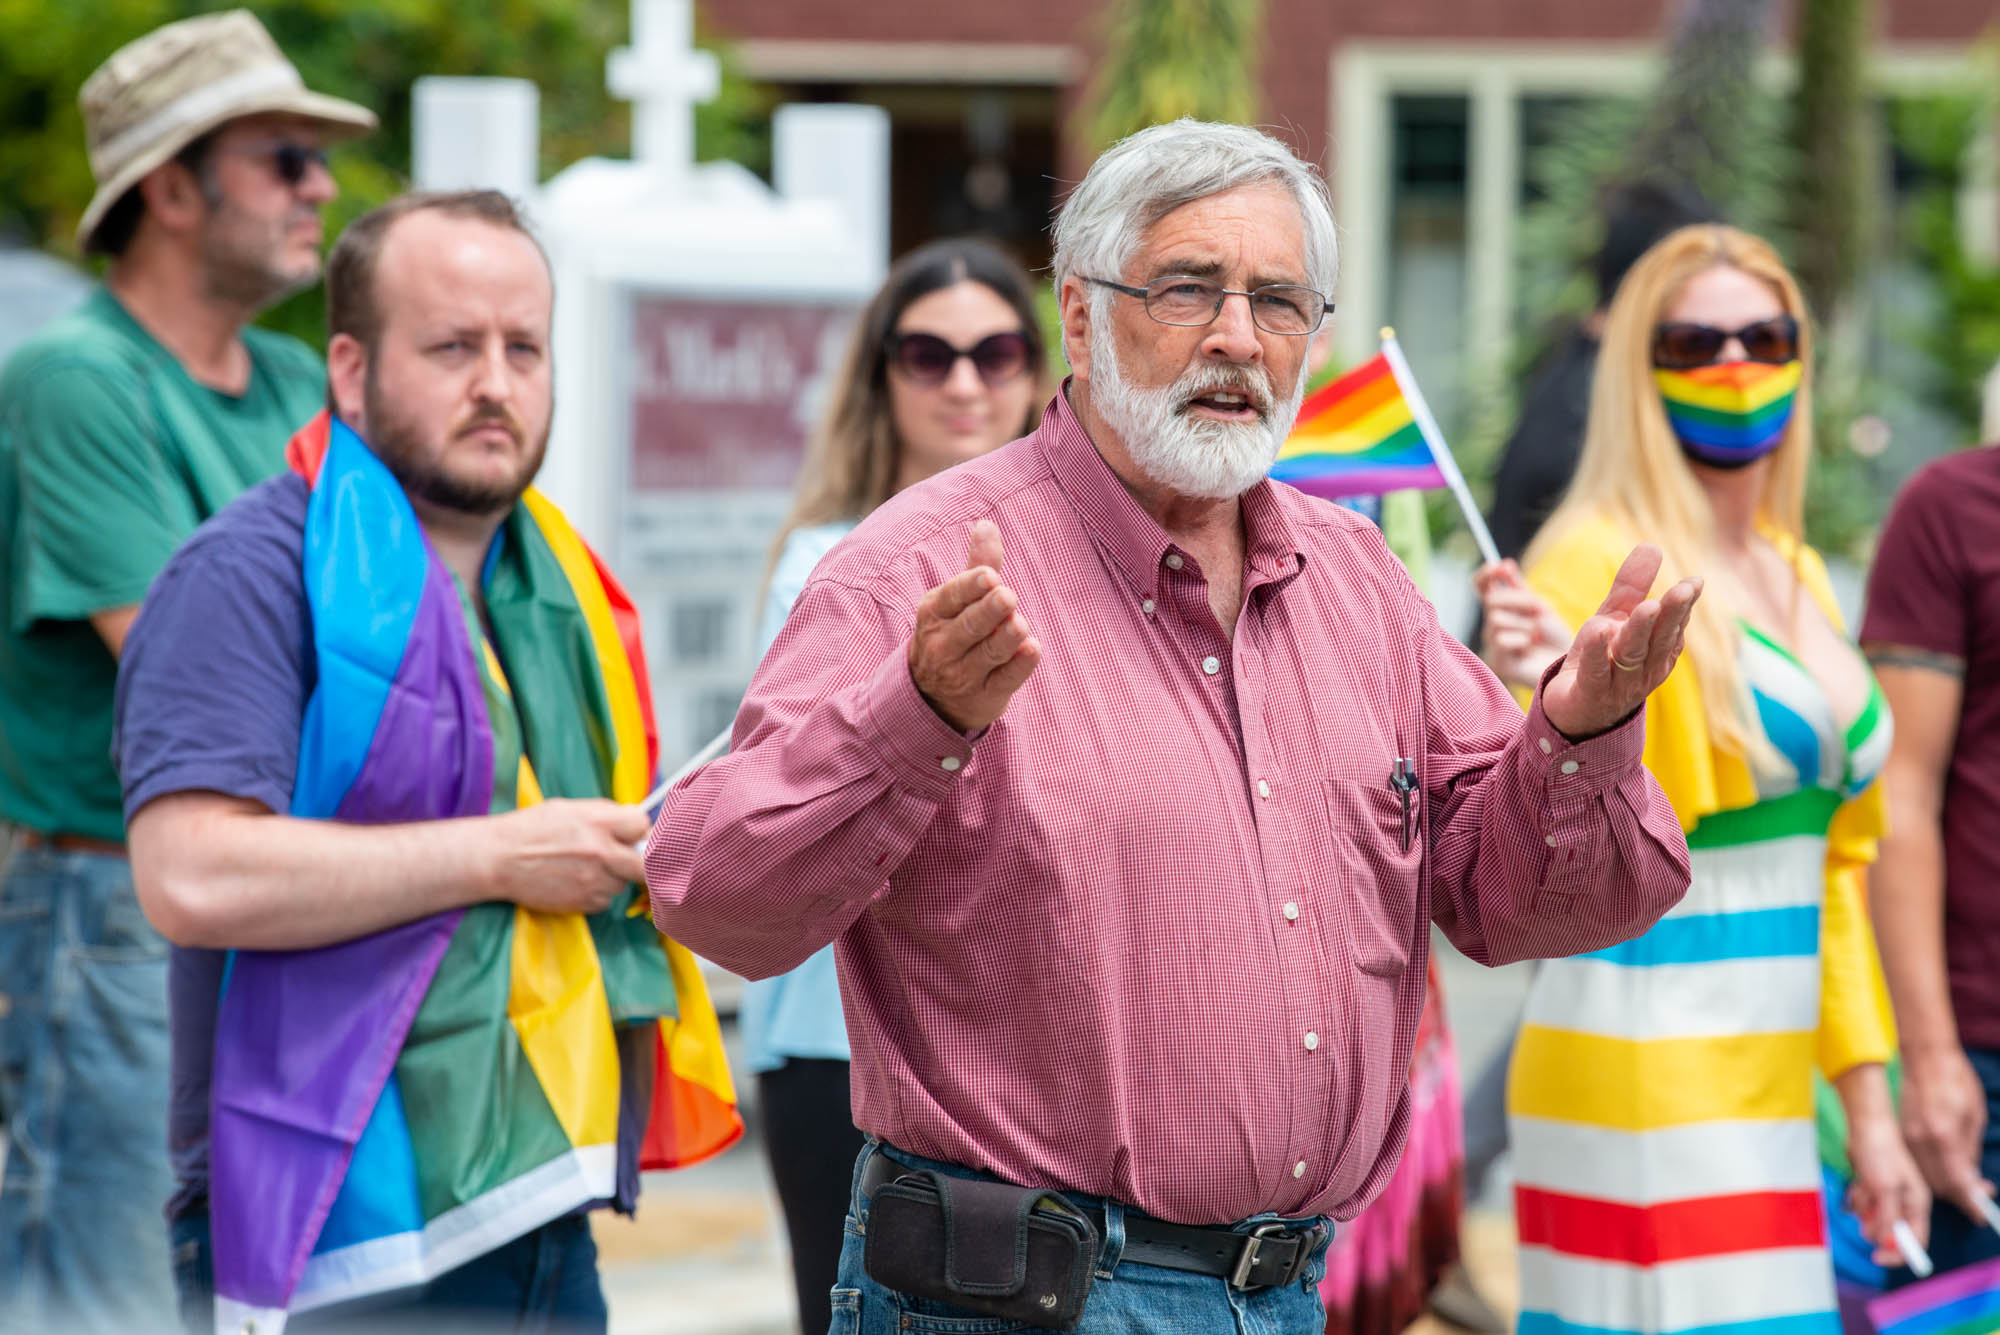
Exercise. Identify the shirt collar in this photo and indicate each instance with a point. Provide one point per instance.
(1134, 538)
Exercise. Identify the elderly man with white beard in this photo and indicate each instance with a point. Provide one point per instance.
(1130, 847)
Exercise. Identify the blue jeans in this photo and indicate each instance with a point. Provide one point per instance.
(1125, 1299)
(1956, 1240)
(542, 1283)
(83, 1089)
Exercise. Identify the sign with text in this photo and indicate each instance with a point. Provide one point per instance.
(723, 395)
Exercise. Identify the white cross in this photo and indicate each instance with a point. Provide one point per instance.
(664, 77)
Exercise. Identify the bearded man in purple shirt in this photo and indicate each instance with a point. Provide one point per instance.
(1131, 855)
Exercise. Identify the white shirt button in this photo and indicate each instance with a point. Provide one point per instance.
(1174, 561)
(949, 764)
(1546, 748)
(1291, 912)
(1312, 1041)
(1299, 1168)
(1263, 787)
(1570, 767)
(1211, 665)
(1549, 839)
(1147, 607)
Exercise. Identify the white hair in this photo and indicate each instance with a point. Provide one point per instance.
(1144, 177)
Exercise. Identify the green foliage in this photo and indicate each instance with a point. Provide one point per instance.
(1835, 186)
(1164, 59)
(1706, 124)
(1709, 125)
(369, 51)
(1963, 340)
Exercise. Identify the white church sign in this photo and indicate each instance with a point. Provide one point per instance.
(700, 318)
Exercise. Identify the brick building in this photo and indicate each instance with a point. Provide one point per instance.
(1420, 111)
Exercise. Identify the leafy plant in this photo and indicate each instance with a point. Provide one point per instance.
(369, 51)
(1164, 59)
(1963, 337)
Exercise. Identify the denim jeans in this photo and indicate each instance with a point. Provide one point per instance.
(83, 1088)
(542, 1283)
(1125, 1299)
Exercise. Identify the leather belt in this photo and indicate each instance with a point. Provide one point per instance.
(1268, 1256)
(68, 843)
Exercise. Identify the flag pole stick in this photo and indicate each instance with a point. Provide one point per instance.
(1421, 413)
(715, 747)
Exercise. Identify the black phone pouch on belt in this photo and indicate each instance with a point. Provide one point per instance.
(989, 1247)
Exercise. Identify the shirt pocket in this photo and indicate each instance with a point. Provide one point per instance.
(1381, 880)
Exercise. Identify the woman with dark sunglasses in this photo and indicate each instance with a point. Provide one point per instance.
(1662, 1097)
(946, 363)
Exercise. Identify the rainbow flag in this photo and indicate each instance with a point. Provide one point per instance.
(386, 1109)
(1358, 436)
(1965, 1301)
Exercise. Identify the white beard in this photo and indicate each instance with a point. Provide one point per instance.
(1192, 456)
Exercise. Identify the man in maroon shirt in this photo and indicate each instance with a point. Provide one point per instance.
(1131, 855)
(1932, 632)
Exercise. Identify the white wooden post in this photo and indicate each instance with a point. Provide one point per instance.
(476, 134)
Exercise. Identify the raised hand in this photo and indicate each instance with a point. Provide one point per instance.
(972, 649)
(1522, 633)
(1622, 652)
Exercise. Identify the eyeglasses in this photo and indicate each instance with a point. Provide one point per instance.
(928, 360)
(290, 162)
(1683, 347)
(1276, 308)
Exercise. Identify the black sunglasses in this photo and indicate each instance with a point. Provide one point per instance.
(1683, 347)
(288, 161)
(928, 359)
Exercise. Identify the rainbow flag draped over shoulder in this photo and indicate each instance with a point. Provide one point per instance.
(386, 1109)
(1358, 436)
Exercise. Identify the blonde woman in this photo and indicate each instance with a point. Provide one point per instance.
(1661, 1099)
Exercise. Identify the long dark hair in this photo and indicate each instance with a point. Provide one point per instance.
(850, 467)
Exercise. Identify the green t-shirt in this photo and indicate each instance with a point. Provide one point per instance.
(110, 455)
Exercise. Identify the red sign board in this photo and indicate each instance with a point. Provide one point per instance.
(726, 393)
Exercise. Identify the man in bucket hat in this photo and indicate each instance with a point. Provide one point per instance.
(122, 427)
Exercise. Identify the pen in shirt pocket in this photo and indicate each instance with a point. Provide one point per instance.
(1403, 781)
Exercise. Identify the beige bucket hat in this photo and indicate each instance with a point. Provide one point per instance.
(158, 94)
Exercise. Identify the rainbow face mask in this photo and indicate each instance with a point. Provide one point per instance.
(1732, 413)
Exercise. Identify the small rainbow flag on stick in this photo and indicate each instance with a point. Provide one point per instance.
(1369, 432)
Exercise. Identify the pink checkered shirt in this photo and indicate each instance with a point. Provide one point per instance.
(1155, 934)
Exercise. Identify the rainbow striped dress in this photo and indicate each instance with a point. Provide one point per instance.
(1661, 1098)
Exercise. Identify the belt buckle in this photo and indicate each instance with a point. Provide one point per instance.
(1253, 1242)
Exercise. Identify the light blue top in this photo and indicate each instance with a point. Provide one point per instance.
(796, 1014)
